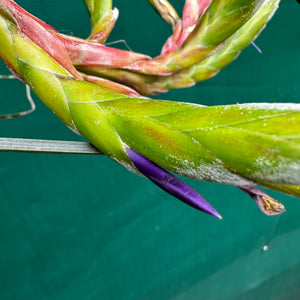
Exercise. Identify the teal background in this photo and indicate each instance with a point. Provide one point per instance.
(82, 227)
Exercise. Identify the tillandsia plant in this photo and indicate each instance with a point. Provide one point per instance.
(97, 91)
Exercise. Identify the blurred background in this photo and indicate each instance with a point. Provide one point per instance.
(82, 227)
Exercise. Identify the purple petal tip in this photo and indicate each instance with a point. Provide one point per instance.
(256, 47)
(171, 184)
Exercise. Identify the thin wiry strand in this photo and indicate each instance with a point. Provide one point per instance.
(122, 41)
(29, 98)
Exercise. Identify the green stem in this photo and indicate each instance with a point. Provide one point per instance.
(97, 8)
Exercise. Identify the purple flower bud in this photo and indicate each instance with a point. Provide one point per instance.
(170, 183)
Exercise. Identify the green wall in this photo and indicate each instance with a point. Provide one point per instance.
(82, 227)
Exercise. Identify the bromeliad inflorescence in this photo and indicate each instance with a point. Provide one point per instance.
(96, 91)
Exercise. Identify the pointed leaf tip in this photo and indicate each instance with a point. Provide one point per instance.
(171, 184)
(266, 204)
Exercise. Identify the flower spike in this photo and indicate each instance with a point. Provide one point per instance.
(241, 145)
